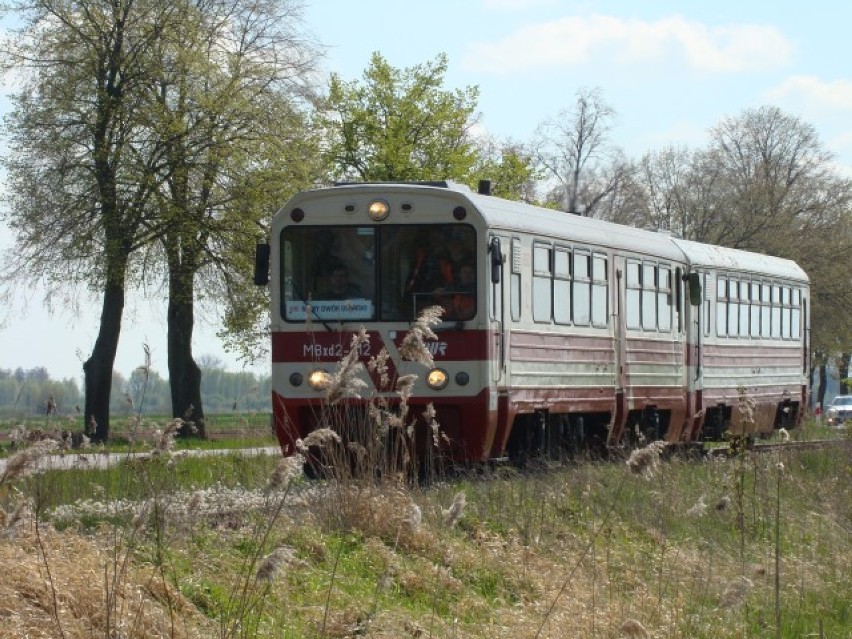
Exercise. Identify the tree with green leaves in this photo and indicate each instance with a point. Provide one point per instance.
(400, 124)
(151, 141)
(230, 103)
(510, 169)
(81, 166)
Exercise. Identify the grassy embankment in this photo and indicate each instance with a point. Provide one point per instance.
(747, 546)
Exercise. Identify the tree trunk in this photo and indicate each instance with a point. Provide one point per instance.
(184, 374)
(843, 369)
(97, 369)
(823, 384)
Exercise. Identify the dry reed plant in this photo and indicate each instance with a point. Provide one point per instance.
(369, 436)
(79, 590)
(645, 461)
(25, 461)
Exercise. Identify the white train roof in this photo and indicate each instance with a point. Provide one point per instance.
(722, 258)
(520, 217)
(533, 219)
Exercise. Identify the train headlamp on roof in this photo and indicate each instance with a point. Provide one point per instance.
(378, 210)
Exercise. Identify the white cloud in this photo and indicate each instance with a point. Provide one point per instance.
(827, 103)
(515, 5)
(814, 92)
(581, 39)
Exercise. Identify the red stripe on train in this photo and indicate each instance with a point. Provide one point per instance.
(330, 346)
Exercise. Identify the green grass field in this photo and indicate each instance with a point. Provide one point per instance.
(751, 546)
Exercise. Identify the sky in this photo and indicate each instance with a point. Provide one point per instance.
(670, 70)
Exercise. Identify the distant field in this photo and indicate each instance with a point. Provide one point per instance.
(224, 430)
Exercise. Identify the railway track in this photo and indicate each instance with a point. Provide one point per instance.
(787, 446)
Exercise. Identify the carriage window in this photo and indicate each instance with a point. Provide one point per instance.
(582, 298)
(664, 298)
(745, 298)
(541, 283)
(754, 313)
(776, 311)
(649, 303)
(633, 295)
(562, 286)
(733, 308)
(796, 314)
(708, 310)
(497, 287)
(515, 283)
(786, 312)
(765, 311)
(600, 307)
(721, 307)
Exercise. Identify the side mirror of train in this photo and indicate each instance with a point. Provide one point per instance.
(496, 259)
(695, 289)
(261, 264)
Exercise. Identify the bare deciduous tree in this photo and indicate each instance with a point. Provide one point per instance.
(574, 151)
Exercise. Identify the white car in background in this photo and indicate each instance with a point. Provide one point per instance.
(839, 411)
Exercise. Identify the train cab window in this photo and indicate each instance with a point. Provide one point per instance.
(352, 273)
(796, 314)
(633, 297)
(542, 278)
(664, 298)
(754, 313)
(562, 286)
(765, 311)
(600, 305)
(582, 296)
(649, 301)
(775, 330)
(326, 273)
(721, 306)
(436, 266)
(515, 280)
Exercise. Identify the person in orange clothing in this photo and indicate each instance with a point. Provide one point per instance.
(459, 299)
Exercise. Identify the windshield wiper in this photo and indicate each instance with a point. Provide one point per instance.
(302, 299)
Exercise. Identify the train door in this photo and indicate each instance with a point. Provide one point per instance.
(497, 311)
(619, 332)
(696, 313)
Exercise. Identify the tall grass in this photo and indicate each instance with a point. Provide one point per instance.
(746, 545)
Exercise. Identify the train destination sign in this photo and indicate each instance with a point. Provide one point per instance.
(358, 309)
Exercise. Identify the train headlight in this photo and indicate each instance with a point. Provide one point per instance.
(296, 379)
(437, 378)
(462, 378)
(319, 379)
(378, 210)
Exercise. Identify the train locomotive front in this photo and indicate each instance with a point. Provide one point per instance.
(372, 258)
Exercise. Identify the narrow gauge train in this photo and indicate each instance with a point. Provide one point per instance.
(560, 331)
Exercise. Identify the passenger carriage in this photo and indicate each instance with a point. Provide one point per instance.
(574, 332)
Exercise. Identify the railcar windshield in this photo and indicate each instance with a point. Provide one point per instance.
(386, 273)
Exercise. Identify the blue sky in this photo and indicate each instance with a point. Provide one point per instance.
(670, 70)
